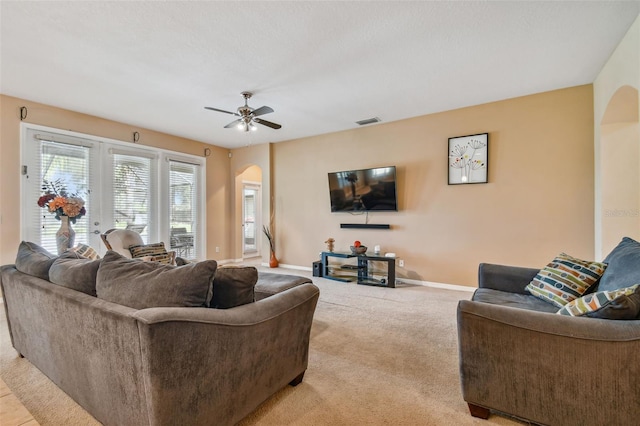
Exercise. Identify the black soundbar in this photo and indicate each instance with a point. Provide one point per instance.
(365, 226)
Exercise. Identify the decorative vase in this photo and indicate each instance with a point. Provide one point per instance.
(273, 261)
(65, 235)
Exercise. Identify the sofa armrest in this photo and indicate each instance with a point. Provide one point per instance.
(203, 365)
(552, 324)
(512, 279)
(523, 362)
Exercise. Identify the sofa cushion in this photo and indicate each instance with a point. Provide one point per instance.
(621, 304)
(140, 285)
(269, 283)
(622, 266)
(154, 252)
(85, 251)
(513, 300)
(34, 260)
(564, 279)
(233, 286)
(75, 272)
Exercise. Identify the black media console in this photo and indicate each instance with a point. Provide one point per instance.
(362, 271)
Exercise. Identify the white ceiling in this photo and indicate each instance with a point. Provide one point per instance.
(320, 65)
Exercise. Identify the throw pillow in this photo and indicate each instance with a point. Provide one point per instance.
(75, 272)
(622, 304)
(622, 270)
(85, 251)
(157, 252)
(564, 279)
(182, 261)
(34, 260)
(140, 285)
(233, 286)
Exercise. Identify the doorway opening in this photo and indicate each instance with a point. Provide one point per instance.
(619, 169)
(251, 219)
(248, 214)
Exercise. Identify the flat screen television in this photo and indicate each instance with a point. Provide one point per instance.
(363, 190)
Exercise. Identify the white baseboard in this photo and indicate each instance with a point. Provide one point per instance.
(299, 268)
(286, 266)
(438, 285)
(225, 261)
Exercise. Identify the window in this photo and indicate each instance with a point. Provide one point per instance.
(132, 194)
(134, 184)
(56, 159)
(183, 208)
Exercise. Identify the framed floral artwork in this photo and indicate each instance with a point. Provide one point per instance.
(468, 159)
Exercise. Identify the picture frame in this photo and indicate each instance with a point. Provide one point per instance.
(468, 159)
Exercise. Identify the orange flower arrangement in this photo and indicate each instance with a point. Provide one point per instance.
(58, 201)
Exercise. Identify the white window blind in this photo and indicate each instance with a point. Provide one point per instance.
(183, 208)
(132, 193)
(67, 163)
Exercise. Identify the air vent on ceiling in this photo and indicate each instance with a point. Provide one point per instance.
(368, 121)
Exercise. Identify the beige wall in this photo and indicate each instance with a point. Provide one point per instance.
(217, 166)
(617, 145)
(538, 202)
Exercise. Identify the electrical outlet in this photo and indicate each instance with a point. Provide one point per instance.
(401, 263)
(217, 249)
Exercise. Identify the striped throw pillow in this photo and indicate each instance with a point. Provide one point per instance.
(564, 279)
(615, 304)
(156, 251)
(85, 251)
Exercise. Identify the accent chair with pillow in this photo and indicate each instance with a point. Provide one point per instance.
(557, 345)
(129, 243)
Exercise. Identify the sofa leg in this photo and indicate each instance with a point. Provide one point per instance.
(20, 355)
(297, 380)
(477, 411)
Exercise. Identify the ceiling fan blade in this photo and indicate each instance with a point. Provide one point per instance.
(221, 110)
(267, 123)
(234, 123)
(261, 111)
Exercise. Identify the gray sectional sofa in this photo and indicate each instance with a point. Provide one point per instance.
(182, 363)
(519, 356)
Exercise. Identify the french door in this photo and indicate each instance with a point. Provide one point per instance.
(124, 187)
(251, 225)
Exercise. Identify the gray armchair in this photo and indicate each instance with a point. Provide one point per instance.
(520, 358)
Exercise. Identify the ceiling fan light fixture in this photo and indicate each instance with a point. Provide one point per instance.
(248, 117)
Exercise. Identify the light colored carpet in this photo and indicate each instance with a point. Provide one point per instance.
(378, 356)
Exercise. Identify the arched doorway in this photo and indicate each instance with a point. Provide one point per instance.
(620, 169)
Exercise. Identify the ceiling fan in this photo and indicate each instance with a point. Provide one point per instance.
(248, 116)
